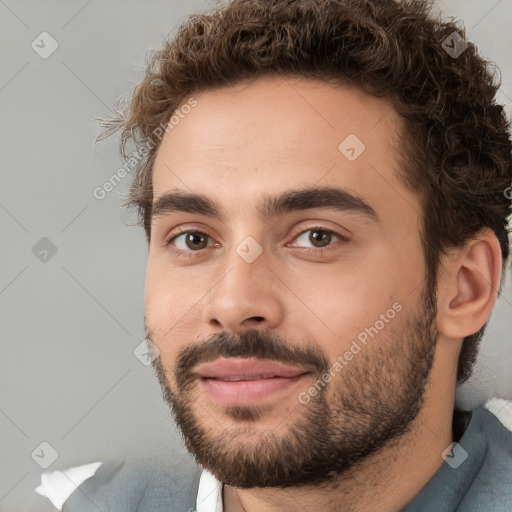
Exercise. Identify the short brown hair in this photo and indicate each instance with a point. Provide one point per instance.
(456, 148)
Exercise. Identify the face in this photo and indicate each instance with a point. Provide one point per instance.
(285, 286)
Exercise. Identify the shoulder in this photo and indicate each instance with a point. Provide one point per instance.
(477, 473)
(497, 426)
(493, 481)
(136, 486)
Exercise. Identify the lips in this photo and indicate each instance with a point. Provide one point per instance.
(236, 381)
(238, 369)
(243, 377)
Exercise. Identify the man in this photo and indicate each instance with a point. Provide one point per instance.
(324, 189)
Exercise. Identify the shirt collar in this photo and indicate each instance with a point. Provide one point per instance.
(209, 494)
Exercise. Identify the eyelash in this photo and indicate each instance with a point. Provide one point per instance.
(313, 251)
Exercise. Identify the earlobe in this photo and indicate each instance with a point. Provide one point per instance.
(471, 284)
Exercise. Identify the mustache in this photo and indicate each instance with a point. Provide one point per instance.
(247, 344)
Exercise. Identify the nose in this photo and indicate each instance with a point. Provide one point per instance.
(245, 296)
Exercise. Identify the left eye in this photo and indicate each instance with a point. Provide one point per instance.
(191, 241)
(319, 238)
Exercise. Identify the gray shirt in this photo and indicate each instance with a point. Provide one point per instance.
(483, 480)
(475, 477)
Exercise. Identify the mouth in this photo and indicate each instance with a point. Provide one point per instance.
(247, 369)
(247, 381)
(246, 391)
(238, 378)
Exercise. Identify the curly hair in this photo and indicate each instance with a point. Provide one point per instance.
(456, 148)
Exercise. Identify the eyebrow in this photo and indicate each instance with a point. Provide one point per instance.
(272, 205)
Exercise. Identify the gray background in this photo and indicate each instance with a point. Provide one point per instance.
(70, 324)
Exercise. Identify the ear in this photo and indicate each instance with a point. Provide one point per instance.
(468, 285)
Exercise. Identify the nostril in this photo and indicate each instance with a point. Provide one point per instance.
(258, 318)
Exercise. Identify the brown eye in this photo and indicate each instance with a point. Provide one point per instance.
(190, 241)
(317, 238)
(196, 240)
(320, 238)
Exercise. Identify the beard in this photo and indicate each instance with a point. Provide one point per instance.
(368, 405)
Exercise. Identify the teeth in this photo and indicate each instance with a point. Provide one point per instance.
(255, 377)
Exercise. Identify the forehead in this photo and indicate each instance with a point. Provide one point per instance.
(277, 133)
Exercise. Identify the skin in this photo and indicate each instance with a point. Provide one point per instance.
(268, 136)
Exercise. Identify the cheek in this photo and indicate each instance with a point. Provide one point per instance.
(169, 292)
(336, 303)
(169, 304)
(333, 310)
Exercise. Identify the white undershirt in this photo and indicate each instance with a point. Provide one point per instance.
(209, 494)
